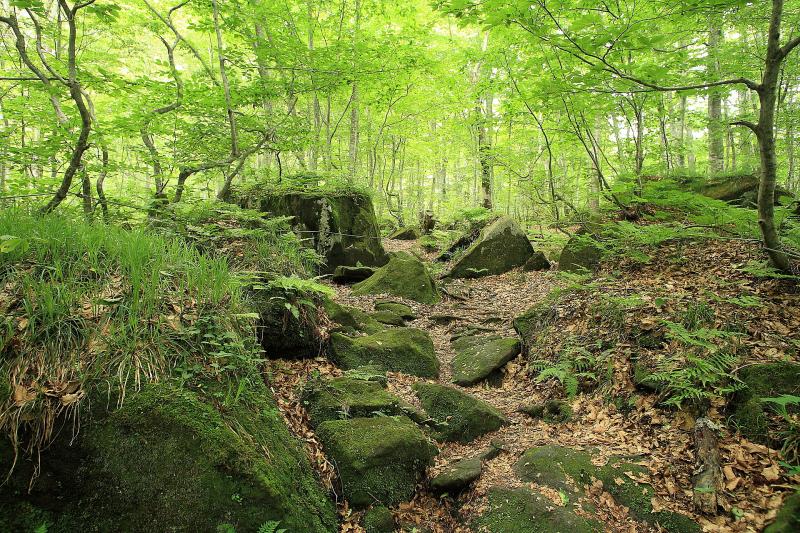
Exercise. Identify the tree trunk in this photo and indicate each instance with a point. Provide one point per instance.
(716, 129)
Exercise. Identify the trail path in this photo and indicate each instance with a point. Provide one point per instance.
(491, 303)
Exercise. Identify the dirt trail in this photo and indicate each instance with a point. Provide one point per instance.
(492, 303)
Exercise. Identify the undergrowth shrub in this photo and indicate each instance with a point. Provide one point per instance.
(86, 305)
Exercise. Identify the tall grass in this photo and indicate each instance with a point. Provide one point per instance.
(89, 304)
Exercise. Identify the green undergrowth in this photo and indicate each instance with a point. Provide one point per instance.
(90, 304)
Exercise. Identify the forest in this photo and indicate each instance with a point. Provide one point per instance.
(431, 266)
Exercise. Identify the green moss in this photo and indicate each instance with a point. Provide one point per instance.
(500, 247)
(537, 318)
(351, 320)
(788, 519)
(404, 276)
(347, 397)
(406, 350)
(378, 459)
(550, 411)
(379, 519)
(556, 466)
(524, 511)
(749, 413)
(402, 310)
(460, 416)
(388, 318)
(581, 252)
(478, 357)
(404, 234)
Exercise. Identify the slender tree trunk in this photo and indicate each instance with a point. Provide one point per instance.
(354, 98)
(716, 129)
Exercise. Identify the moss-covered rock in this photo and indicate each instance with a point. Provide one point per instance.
(404, 234)
(478, 357)
(581, 253)
(388, 317)
(749, 414)
(500, 247)
(460, 416)
(379, 519)
(556, 466)
(404, 276)
(739, 190)
(457, 476)
(549, 411)
(347, 397)
(374, 373)
(351, 320)
(340, 225)
(538, 261)
(407, 350)
(345, 275)
(288, 325)
(788, 519)
(535, 320)
(379, 460)
(398, 308)
(168, 460)
(524, 511)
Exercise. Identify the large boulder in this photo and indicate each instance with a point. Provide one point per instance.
(740, 190)
(524, 511)
(478, 357)
(404, 234)
(379, 460)
(341, 226)
(569, 470)
(500, 247)
(404, 276)
(460, 417)
(582, 252)
(347, 397)
(750, 415)
(169, 460)
(351, 320)
(407, 350)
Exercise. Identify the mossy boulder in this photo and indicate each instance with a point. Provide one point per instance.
(379, 519)
(530, 324)
(341, 226)
(460, 417)
(347, 397)
(570, 470)
(740, 190)
(169, 460)
(379, 460)
(345, 275)
(288, 324)
(549, 411)
(582, 252)
(404, 234)
(788, 519)
(404, 276)
(477, 357)
(749, 413)
(538, 261)
(500, 247)
(351, 320)
(524, 511)
(398, 308)
(388, 317)
(407, 350)
(458, 475)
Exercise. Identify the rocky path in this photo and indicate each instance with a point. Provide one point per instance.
(527, 466)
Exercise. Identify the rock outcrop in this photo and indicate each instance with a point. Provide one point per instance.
(460, 417)
(403, 276)
(407, 350)
(379, 460)
(479, 357)
(500, 247)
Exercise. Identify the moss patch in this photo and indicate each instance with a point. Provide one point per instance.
(556, 466)
(581, 253)
(524, 511)
(406, 350)
(388, 317)
(379, 520)
(460, 416)
(404, 276)
(351, 320)
(347, 397)
(478, 357)
(788, 519)
(378, 459)
(402, 310)
(749, 414)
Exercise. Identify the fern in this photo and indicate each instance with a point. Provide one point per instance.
(270, 527)
(574, 364)
(695, 379)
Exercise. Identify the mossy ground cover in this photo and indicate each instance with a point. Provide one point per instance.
(406, 350)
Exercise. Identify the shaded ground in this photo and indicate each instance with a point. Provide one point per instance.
(662, 437)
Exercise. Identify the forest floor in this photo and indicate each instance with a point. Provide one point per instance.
(683, 273)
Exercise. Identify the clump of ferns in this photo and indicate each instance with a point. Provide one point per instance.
(789, 434)
(575, 368)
